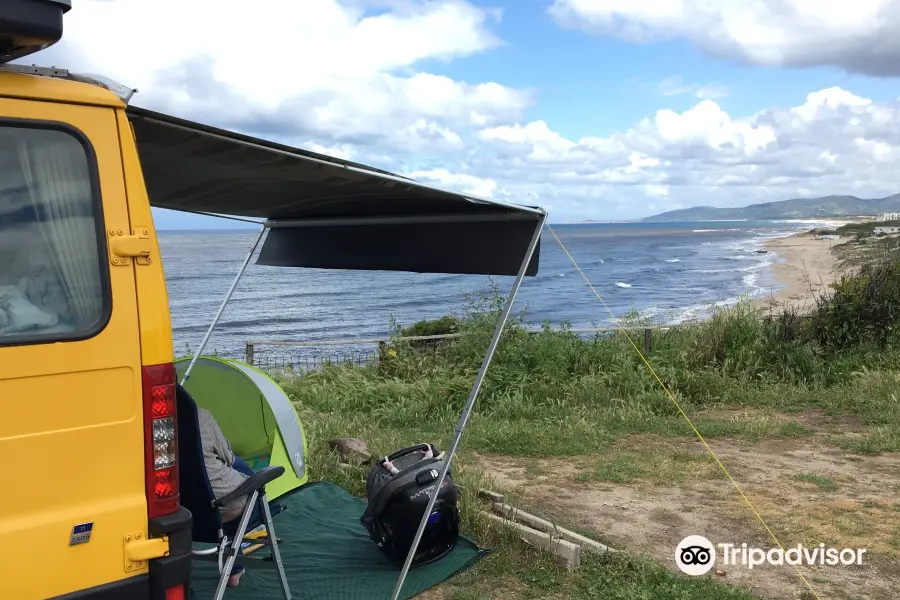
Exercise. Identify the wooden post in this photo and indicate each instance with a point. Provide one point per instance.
(249, 353)
(567, 554)
(648, 340)
(381, 347)
(493, 497)
(514, 514)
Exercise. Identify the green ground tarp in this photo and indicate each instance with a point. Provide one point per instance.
(328, 555)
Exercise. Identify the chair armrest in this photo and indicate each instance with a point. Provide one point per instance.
(255, 482)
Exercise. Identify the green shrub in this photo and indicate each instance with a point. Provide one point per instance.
(863, 308)
(445, 325)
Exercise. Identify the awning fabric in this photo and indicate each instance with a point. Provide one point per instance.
(325, 212)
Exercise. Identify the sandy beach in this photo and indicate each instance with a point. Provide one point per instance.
(805, 265)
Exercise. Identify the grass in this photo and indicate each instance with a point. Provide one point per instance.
(613, 577)
(862, 244)
(820, 480)
(658, 468)
(895, 539)
(862, 229)
(558, 394)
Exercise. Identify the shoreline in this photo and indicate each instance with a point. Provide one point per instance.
(805, 266)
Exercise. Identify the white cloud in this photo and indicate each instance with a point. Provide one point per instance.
(347, 79)
(826, 101)
(337, 72)
(467, 184)
(546, 145)
(834, 142)
(861, 36)
(674, 86)
(657, 191)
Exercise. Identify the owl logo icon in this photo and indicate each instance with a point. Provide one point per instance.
(695, 555)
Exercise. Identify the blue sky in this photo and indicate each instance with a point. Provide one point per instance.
(596, 85)
(593, 108)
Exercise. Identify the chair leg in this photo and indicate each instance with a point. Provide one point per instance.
(235, 547)
(276, 554)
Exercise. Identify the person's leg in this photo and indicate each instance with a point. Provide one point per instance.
(241, 466)
(238, 569)
(256, 517)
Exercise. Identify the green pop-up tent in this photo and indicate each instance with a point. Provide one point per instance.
(255, 415)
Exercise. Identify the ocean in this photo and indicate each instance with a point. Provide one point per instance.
(669, 272)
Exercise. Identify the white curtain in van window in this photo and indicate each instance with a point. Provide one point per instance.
(57, 175)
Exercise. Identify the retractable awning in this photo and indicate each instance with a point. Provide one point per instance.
(326, 212)
(329, 213)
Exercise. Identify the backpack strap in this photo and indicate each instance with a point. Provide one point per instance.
(417, 448)
(412, 476)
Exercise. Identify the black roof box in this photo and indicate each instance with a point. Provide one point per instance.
(27, 26)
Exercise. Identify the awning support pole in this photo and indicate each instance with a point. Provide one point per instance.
(470, 403)
(215, 320)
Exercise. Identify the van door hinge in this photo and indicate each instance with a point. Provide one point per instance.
(123, 247)
(139, 549)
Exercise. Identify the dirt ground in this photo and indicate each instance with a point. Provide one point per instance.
(806, 492)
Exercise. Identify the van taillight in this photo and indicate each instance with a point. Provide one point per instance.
(175, 592)
(160, 439)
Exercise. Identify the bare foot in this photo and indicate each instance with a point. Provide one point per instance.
(235, 579)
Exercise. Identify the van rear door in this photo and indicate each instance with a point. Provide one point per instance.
(71, 427)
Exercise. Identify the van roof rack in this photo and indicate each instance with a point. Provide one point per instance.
(28, 26)
(123, 92)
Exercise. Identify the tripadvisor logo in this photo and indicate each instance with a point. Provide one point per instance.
(696, 555)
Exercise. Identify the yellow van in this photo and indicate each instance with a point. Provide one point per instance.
(90, 506)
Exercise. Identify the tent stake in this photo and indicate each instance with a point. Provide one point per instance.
(215, 320)
(467, 410)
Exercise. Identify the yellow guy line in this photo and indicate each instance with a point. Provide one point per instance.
(678, 406)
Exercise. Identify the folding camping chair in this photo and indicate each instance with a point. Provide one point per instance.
(197, 497)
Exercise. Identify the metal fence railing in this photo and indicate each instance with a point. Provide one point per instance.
(307, 355)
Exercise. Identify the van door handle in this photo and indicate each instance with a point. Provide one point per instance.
(139, 549)
(125, 247)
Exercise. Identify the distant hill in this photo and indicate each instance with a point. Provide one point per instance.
(798, 208)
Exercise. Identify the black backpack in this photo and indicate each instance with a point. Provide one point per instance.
(398, 499)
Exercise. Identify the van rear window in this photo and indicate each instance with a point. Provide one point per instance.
(53, 273)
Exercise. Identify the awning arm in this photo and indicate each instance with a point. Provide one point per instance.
(470, 403)
(215, 321)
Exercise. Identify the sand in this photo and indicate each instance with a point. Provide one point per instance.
(804, 268)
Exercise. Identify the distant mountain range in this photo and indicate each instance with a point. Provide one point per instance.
(798, 208)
